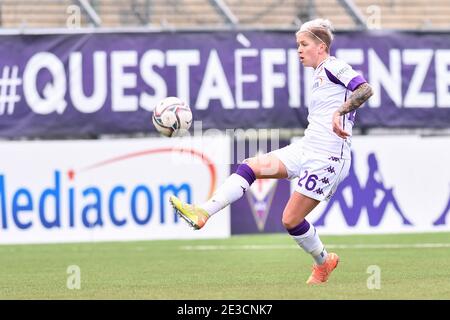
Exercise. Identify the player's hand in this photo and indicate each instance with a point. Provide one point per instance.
(337, 128)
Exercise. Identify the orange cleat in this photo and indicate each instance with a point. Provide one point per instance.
(321, 273)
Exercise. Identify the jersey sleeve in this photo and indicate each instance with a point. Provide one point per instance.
(342, 73)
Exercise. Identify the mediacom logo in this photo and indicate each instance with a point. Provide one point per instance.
(62, 202)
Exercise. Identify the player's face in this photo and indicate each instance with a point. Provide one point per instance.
(308, 50)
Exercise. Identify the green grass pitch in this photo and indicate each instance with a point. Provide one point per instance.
(411, 266)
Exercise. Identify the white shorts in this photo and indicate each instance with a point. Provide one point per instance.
(319, 173)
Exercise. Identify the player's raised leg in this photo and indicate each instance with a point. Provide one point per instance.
(234, 187)
(195, 216)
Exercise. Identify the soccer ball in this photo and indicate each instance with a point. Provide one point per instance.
(172, 116)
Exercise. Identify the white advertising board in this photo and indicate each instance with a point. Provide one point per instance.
(108, 190)
(396, 184)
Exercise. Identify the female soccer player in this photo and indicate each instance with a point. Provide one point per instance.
(321, 159)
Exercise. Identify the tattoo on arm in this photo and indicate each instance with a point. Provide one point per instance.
(358, 97)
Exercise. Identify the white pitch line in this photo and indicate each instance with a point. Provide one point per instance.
(330, 246)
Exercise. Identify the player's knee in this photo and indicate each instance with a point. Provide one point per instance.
(252, 163)
(289, 220)
(249, 161)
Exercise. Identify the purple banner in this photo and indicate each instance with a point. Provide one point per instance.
(89, 84)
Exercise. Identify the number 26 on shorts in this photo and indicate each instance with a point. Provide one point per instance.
(310, 181)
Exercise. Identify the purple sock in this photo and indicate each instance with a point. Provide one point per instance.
(300, 229)
(246, 172)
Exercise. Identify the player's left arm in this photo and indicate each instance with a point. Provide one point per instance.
(357, 98)
(360, 95)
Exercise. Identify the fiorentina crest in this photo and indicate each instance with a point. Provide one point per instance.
(260, 196)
